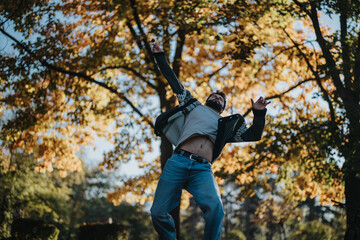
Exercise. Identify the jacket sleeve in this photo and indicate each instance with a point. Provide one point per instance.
(182, 94)
(253, 133)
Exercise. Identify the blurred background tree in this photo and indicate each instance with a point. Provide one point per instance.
(26, 193)
(65, 202)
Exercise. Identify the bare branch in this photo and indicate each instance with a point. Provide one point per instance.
(272, 58)
(213, 73)
(217, 71)
(80, 75)
(129, 69)
(317, 77)
(279, 95)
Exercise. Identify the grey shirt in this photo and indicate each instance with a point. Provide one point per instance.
(201, 121)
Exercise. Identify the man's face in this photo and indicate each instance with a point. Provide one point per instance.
(216, 101)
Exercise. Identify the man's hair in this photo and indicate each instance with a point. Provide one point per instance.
(222, 94)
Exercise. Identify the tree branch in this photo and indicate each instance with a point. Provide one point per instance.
(12, 14)
(279, 95)
(135, 36)
(317, 78)
(178, 52)
(344, 44)
(142, 33)
(129, 69)
(272, 58)
(148, 57)
(213, 74)
(357, 63)
(333, 71)
(302, 7)
(80, 75)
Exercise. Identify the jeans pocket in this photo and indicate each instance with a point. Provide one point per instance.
(174, 170)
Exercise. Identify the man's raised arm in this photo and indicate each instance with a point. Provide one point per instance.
(244, 134)
(182, 94)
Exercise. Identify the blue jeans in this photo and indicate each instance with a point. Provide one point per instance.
(182, 173)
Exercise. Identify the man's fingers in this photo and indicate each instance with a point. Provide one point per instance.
(261, 101)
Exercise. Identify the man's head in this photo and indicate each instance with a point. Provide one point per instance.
(217, 101)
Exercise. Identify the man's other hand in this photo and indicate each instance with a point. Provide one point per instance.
(260, 104)
(155, 48)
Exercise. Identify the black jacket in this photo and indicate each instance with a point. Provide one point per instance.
(230, 129)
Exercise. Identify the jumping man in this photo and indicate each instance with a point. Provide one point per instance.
(199, 135)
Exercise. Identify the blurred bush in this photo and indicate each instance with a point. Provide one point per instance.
(236, 235)
(314, 230)
(29, 229)
(103, 232)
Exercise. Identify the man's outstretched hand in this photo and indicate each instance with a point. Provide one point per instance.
(260, 104)
(155, 48)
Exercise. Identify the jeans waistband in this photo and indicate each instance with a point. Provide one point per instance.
(191, 156)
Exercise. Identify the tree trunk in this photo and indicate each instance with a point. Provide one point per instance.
(247, 218)
(310, 202)
(351, 170)
(352, 193)
(166, 151)
(250, 204)
(271, 230)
